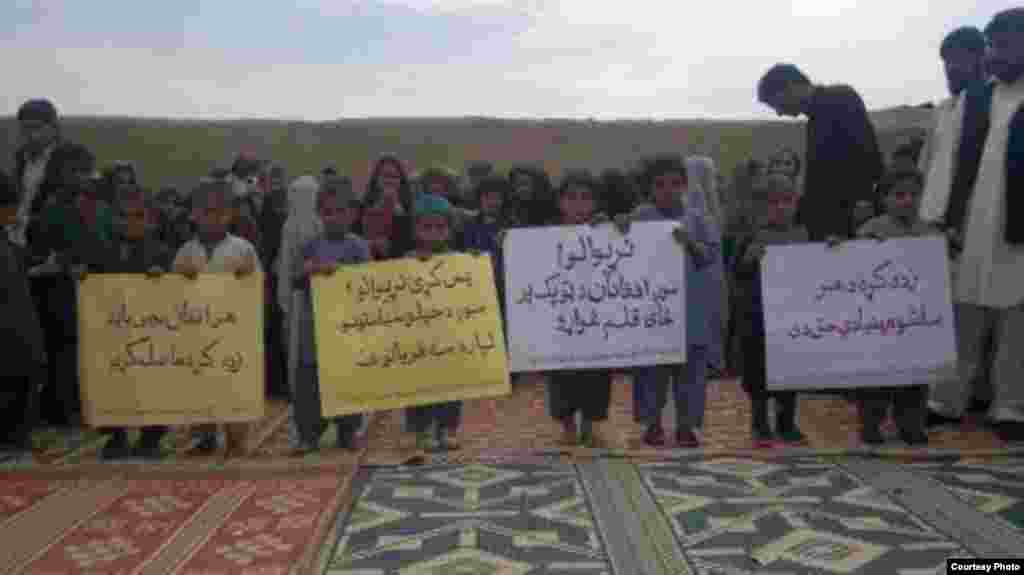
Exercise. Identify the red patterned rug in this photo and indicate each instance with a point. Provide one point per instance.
(200, 524)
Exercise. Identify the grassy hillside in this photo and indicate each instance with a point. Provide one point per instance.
(178, 152)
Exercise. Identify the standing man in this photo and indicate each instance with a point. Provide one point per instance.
(963, 53)
(985, 213)
(843, 161)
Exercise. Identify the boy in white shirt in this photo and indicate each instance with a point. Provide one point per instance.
(214, 250)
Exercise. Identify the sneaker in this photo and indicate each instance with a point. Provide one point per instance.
(792, 435)
(914, 438)
(872, 436)
(654, 435)
(424, 441)
(206, 445)
(686, 438)
(938, 420)
(146, 450)
(569, 432)
(117, 447)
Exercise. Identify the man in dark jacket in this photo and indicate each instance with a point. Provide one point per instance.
(843, 161)
(20, 336)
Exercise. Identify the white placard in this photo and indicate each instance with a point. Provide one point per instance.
(582, 297)
(863, 314)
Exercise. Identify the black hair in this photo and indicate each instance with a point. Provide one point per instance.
(1006, 22)
(79, 157)
(772, 184)
(209, 188)
(579, 179)
(619, 194)
(39, 110)
(895, 175)
(373, 191)
(338, 187)
(778, 78)
(542, 206)
(8, 191)
(480, 169)
(967, 38)
(490, 184)
(661, 165)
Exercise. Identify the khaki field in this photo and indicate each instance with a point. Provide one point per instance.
(177, 152)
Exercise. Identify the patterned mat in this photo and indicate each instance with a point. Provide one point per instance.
(474, 519)
(743, 516)
(167, 525)
(995, 487)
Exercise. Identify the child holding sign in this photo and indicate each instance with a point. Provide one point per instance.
(214, 250)
(136, 250)
(20, 335)
(483, 233)
(779, 197)
(432, 224)
(666, 179)
(338, 208)
(900, 191)
(588, 391)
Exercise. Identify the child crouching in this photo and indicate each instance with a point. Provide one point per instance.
(338, 208)
(432, 224)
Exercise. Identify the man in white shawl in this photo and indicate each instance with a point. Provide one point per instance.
(963, 58)
(988, 217)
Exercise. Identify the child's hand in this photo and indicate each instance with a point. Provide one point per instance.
(833, 242)
(876, 237)
(755, 252)
(190, 272)
(598, 219)
(622, 223)
(244, 270)
(475, 253)
(680, 235)
(154, 272)
(423, 257)
(329, 268)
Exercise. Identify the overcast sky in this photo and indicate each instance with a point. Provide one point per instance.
(325, 59)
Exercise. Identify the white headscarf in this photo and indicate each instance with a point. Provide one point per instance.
(700, 171)
(302, 225)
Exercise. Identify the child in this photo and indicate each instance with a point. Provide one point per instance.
(587, 390)
(20, 335)
(900, 191)
(777, 227)
(432, 222)
(215, 250)
(135, 250)
(337, 245)
(666, 178)
(483, 232)
(386, 223)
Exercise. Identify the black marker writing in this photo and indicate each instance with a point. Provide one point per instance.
(422, 315)
(184, 314)
(373, 288)
(886, 276)
(917, 317)
(609, 256)
(397, 356)
(612, 285)
(578, 322)
(142, 352)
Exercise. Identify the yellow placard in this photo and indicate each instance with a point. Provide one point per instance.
(408, 332)
(171, 351)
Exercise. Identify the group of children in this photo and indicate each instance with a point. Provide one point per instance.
(395, 220)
